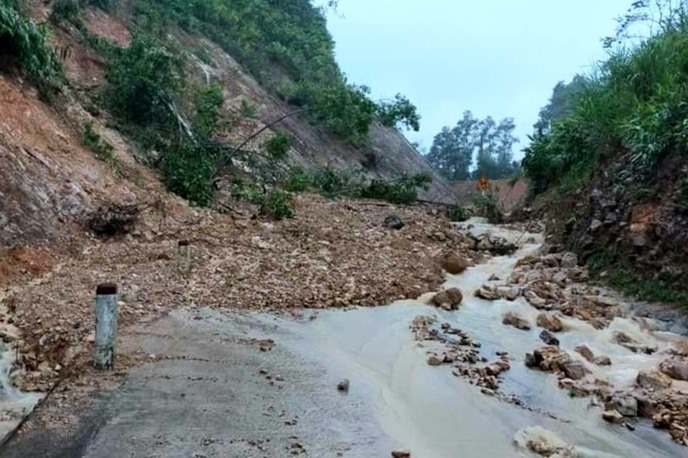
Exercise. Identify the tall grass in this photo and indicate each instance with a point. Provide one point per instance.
(636, 104)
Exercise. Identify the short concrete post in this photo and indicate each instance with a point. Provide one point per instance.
(106, 326)
(184, 256)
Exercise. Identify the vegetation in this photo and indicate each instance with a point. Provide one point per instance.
(24, 44)
(487, 206)
(92, 140)
(633, 106)
(286, 45)
(490, 143)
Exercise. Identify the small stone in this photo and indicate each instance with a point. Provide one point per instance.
(511, 319)
(343, 386)
(612, 416)
(569, 260)
(394, 222)
(454, 264)
(575, 370)
(602, 361)
(550, 322)
(585, 352)
(449, 299)
(401, 454)
(435, 361)
(548, 338)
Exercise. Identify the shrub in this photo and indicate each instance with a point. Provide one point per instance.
(209, 103)
(276, 205)
(487, 206)
(278, 146)
(297, 180)
(66, 11)
(457, 214)
(25, 44)
(188, 171)
(247, 109)
(403, 191)
(92, 140)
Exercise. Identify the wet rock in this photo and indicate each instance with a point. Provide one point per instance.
(449, 299)
(569, 260)
(543, 442)
(653, 380)
(401, 454)
(647, 405)
(626, 405)
(602, 361)
(575, 370)
(394, 222)
(585, 352)
(435, 361)
(343, 386)
(550, 322)
(675, 369)
(488, 292)
(511, 319)
(512, 294)
(535, 300)
(612, 416)
(548, 338)
(454, 264)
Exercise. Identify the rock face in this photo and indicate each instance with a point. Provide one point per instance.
(675, 369)
(550, 322)
(454, 264)
(449, 299)
(511, 319)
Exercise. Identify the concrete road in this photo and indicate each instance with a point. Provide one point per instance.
(215, 389)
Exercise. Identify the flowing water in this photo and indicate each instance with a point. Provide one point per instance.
(434, 414)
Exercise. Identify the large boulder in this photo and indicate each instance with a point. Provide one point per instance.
(448, 299)
(676, 369)
(569, 260)
(454, 264)
(550, 322)
(575, 370)
(653, 380)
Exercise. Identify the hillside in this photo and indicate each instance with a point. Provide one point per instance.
(52, 177)
(609, 170)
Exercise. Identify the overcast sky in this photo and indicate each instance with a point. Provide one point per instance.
(493, 57)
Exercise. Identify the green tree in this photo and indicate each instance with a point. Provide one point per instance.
(399, 113)
(491, 144)
(561, 103)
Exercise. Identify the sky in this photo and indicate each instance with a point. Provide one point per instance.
(494, 57)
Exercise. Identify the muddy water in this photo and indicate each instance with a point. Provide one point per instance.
(14, 404)
(435, 414)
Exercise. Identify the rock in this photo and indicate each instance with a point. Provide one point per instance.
(569, 260)
(488, 292)
(628, 342)
(543, 442)
(548, 338)
(595, 225)
(585, 352)
(394, 222)
(435, 361)
(449, 299)
(674, 368)
(549, 322)
(512, 294)
(511, 319)
(626, 405)
(560, 278)
(653, 380)
(343, 386)
(454, 264)
(535, 300)
(401, 454)
(612, 416)
(575, 370)
(647, 405)
(602, 361)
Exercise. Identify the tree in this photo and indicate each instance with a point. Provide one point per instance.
(451, 153)
(490, 143)
(399, 113)
(561, 103)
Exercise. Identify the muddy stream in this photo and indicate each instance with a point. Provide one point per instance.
(435, 414)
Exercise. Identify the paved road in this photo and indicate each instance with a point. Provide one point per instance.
(220, 395)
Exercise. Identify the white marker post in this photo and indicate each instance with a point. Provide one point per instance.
(106, 326)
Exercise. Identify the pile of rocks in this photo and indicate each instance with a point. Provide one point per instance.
(454, 347)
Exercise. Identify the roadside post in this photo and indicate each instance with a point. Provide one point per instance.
(106, 326)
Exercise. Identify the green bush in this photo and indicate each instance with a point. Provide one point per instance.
(487, 206)
(276, 205)
(188, 171)
(634, 106)
(66, 11)
(297, 180)
(92, 140)
(403, 191)
(458, 214)
(144, 80)
(25, 44)
(278, 146)
(208, 103)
